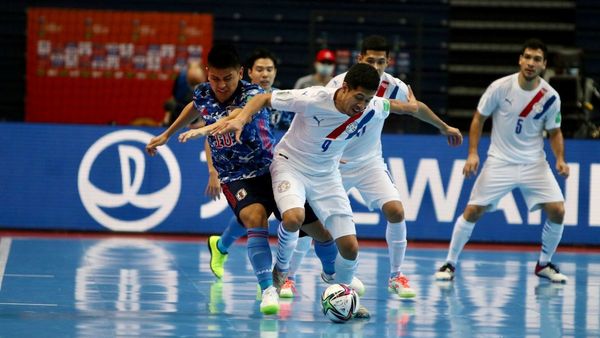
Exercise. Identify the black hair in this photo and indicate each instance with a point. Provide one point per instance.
(260, 53)
(224, 55)
(362, 75)
(535, 44)
(375, 42)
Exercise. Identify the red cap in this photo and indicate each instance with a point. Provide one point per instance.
(325, 55)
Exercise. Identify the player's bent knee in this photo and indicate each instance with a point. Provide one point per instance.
(555, 211)
(254, 216)
(393, 211)
(473, 213)
(348, 247)
(292, 219)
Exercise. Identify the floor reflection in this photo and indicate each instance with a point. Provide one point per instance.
(141, 288)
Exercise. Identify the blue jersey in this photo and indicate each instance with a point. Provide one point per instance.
(280, 119)
(234, 161)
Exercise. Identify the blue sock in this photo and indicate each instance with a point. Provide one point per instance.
(259, 254)
(327, 252)
(231, 234)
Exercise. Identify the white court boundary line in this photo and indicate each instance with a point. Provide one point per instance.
(29, 304)
(4, 251)
(27, 275)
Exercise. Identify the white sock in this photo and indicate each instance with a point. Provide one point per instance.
(395, 236)
(300, 251)
(286, 242)
(551, 236)
(345, 269)
(460, 236)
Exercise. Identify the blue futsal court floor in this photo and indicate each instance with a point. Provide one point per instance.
(92, 286)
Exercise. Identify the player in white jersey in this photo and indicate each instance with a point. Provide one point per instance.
(522, 106)
(364, 155)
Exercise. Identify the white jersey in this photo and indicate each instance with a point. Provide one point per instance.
(368, 146)
(319, 132)
(519, 118)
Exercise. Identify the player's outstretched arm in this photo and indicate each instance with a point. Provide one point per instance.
(188, 114)
(425, 114)
(557, 144)
(193, 134)
(207, 130)
(411, 106)
(236, 124)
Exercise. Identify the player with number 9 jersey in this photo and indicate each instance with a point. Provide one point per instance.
(321, 131)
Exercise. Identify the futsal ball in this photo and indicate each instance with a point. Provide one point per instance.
(339, 303)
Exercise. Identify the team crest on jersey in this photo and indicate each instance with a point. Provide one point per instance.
(538, 107)
(283, 186)
(241, 194)
(352, 127)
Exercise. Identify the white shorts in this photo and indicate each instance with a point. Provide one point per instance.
(373, 181)
(497, 178)
(325, 194)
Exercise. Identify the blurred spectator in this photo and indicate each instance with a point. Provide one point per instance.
(183, 89)
(324, 67)
(262, 70)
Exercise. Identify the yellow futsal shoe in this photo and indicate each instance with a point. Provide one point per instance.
(217, 259)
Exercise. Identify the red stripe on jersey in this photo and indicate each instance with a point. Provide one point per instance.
(533, 101)
(383, 86)
(340, 129)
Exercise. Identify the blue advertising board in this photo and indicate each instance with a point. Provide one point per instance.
(98, 178)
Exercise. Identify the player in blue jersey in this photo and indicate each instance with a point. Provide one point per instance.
(243, 168)
(262, 70)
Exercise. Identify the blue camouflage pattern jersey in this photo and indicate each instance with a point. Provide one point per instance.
(234, 161)
(280, 120)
